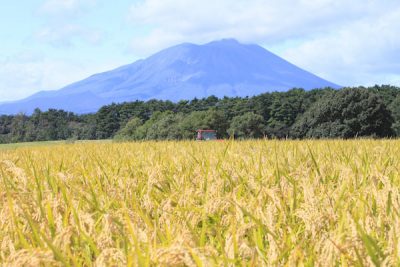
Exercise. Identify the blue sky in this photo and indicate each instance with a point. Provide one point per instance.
(46, 44)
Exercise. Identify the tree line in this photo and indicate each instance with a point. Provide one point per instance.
(319, 113)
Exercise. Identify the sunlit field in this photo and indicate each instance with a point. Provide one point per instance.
(250, 203)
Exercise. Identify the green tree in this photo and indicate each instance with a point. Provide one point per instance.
(284, 110)
(192, 122)
(129, 131)
(108, 121)
(165, 127)
(248, 125)
(5, 129)
(18, 128)
(211, 119)
(345, 113)
(160, 126)
(395, 109)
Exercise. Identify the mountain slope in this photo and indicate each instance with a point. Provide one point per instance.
(220, 68)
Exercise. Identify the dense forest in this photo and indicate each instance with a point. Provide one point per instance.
(319, 113)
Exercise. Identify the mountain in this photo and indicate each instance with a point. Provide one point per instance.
(220, 68)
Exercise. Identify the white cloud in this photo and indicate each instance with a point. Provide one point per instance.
(62, 27)
(349, 42)
(364, 52)
(29, 72)
(65, 7)
(64, 35)
(255, 20)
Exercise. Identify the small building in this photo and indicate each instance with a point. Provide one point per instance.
(206, 135)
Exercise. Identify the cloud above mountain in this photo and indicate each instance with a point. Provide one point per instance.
(62, 25)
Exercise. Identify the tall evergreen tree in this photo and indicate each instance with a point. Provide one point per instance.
(346, 113)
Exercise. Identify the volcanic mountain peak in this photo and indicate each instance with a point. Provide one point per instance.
(185, 71)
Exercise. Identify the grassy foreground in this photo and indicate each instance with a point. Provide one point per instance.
(250, 203)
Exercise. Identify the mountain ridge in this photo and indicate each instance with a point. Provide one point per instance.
(221, 68)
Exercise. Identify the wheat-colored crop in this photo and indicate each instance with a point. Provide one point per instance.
(250, 203)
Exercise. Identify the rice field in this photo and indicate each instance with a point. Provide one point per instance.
(232, 203)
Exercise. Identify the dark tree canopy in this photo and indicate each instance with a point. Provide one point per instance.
(128, 132)
(395, 109)
(248, 125)
(319, 113)
(345, 113)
